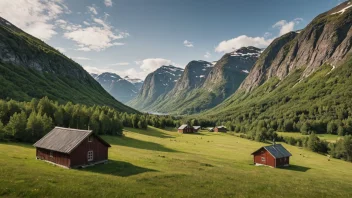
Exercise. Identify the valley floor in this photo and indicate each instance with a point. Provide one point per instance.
(163, 163)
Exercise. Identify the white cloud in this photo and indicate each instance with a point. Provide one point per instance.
(86, 23)
(108, 3)
(151, 64)
(120, 64)
(97, 37)
(267, 35)
(92, 10)
(146, 66)
(242, 41)
(188, 43)
(207, 55)
(33, 16)
(61, 49)
(132, 72)
(286, 27)
(81, 58)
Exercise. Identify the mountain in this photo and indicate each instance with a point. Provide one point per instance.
(29, 68)
(204, 85)
(193, 77)
(120, 88)
(327, 39)
(94, 75)
(302, 77)
(156, 85)
(138, 83)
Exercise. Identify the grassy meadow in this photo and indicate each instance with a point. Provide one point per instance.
(163, 163)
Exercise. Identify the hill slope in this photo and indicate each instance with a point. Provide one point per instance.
(300, 80)
(29, 68)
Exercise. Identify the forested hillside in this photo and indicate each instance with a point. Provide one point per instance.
(29, 68)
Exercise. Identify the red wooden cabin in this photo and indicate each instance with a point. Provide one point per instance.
(72, 148)
(220, 129)
(275, 156)
(185, 128)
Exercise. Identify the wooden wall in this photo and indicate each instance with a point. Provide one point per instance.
(80, 155)
(269, 159)
(57, 158)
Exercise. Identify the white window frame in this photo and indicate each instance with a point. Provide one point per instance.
(51, 154)
(90, 138)
(90, 156)
(263, 159)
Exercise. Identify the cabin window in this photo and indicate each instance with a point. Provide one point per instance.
(263, 159)
(90, 138)
(51, 154)
(90, 156)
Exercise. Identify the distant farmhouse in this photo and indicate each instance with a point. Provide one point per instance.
(72, 148)
(196, 128)
(220, 129)
(185, 128)
(211, 129)
(274, 155)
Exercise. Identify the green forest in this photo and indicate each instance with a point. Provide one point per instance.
(29, 121)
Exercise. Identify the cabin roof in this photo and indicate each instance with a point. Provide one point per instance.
(221, 127)
(196, 127)
(183, 126)
(277, 151)
(65, 140)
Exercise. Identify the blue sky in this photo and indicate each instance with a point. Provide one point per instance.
(134, 37)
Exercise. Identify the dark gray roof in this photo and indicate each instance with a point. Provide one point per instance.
(277, 151)
(64, 140)
(183, 126)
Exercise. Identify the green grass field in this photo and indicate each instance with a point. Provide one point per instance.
(327, 137)
(159, 163)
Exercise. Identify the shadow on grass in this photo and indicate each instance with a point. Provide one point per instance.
(139, 144)
(151, 131)
(25, 145)
(196, 133)
(118, 168)
(296, 168)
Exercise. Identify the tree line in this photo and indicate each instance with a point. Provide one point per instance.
(29, 121)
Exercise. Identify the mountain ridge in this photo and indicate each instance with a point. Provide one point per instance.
(219, 81)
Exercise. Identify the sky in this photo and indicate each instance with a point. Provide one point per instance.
(135, 37)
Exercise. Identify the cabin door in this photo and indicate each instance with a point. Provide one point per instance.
(263, 157)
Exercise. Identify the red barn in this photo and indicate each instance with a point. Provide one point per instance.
(220, 129)
(185, 128)
(275, 156)
(72, 148)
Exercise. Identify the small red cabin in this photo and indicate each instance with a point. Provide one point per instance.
(72, 148)
(275, 156)
(185, 128)
(220, 129)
